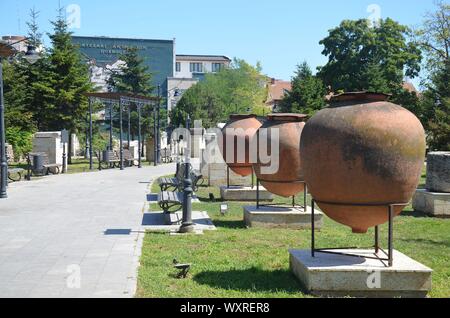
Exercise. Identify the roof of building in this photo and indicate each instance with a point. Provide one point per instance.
(119, 38)
(277, 90)
(218, 58)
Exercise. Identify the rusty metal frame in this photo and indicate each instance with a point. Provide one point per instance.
(389, 253)
(281, 205)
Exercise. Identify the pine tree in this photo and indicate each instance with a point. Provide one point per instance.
(34, 36)
(69, 79)
(18, 120)
(135, 77)
(307, 95)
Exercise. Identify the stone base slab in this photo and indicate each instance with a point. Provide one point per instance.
(279, 217)
(238, 193)
(432, 203)
(329, 275)
(170, 223)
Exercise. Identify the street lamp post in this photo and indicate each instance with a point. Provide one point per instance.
(121, 133)
(159, 125)
(31, 56)
(139, 136)
(4, 162)
(91, 159)
(155, 136)
(187, 226)
(110, 126)
(129, 126)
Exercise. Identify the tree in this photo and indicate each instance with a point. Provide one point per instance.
(361, 57)
(69, 81)
(435, 40)
(21, 95)
(19, 122)
(237, 89)
(133, 76)
(307, 95)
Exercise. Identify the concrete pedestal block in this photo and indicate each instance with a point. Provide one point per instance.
(201, 220)
(236, 193)
(329, 275)
(432, 203)
(279, 217)
(438, 172)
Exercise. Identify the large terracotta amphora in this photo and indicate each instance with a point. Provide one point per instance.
(285, 180)
(360, 155)
(237, 134)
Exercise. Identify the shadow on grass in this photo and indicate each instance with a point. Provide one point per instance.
(415, 214)
(251, 280)
(427, 242)
(229, 224)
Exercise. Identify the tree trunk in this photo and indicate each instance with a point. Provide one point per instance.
(69, 147)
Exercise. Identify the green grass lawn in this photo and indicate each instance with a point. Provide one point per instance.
(238, 262)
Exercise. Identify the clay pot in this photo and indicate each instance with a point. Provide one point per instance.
(362, 150)
(245, 128)
(285, 179)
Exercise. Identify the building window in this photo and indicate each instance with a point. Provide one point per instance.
(196, 68)
(216, 67)
(178, 67)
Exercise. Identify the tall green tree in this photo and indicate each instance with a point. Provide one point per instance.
(22, 83)
(307, 95)
(19, 122)
(69, 79)
(133, 76)
(238, 89)
(361, 57)
(39, 77)
(435, 40)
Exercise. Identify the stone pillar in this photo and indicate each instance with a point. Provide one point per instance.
(9, 153)
(49, 143)
(150, 149)
(198, 142)
(214, 167)
(76, 150)
(438, 172)
(435, 199)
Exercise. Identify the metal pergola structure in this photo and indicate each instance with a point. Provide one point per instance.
(123, 100)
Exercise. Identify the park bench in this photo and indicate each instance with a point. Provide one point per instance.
(176, 183)
(128, 158)
(18, 172)
(46, 169)
(107, 159)
(167, 183)
(170, 202)
(166, 155)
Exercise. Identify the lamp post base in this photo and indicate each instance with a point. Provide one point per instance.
(187, 228)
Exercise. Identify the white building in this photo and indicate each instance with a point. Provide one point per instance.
(13, 39)
(189, 69)
(195, 66)
(100, 75)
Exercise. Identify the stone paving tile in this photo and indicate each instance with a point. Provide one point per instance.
(42, 235)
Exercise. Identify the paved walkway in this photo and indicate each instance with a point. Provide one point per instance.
(74, 235)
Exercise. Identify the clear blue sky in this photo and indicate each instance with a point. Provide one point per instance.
(279, 34)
